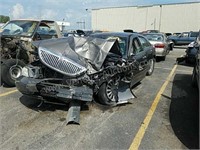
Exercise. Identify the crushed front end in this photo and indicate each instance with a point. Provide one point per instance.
(75, 70)
(56, 77)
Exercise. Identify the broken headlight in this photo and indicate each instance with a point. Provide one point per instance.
(32, 72)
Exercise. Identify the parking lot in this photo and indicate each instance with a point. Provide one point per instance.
(161, 117)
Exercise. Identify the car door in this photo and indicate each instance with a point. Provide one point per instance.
(183, 38)
(137, 52)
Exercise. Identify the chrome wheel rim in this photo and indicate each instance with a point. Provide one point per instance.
(111, 90)
(15, 72)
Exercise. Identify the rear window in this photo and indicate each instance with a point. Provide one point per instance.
(154, 37)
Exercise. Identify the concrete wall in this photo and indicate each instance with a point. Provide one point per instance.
(166, 18)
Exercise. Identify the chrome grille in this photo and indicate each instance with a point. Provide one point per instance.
(60, 64)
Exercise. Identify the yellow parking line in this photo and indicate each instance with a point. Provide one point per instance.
(139, 136)
(7, 93)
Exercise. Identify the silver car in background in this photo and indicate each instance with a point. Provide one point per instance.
(161, 43)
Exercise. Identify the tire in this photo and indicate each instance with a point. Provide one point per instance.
(163, 58)
(171, 46)
(108, 93)
(152, 65)
(10, 71)
(187, 60)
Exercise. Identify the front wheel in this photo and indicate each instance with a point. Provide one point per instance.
(171, 46)
(10, 71)
(151, 67)
(108, 93)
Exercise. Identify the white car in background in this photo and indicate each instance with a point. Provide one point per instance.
(161, 43)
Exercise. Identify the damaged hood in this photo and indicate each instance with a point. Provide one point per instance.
(82, 50)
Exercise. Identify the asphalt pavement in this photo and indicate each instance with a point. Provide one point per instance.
(165, 115)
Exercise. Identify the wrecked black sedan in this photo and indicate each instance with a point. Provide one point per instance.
(105, 66)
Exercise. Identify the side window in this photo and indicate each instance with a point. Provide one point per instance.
(144, 42)
(184, 34)
(136, 47)
(46, 30)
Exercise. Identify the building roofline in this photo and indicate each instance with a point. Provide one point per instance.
(148, 5)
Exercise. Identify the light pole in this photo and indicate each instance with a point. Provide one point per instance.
(160, 17)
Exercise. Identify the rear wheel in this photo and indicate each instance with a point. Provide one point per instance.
(151, 69)
(10, 71)
(163, 58)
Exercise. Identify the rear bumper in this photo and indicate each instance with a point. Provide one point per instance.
(30, 86)
(160, 52)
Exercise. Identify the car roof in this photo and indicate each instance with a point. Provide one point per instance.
(153, 34)
(120, 34)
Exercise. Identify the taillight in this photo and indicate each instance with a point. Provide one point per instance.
(159, 45)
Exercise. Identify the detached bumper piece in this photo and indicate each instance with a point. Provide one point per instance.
(73, 115)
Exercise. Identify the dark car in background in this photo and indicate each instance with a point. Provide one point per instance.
(184, 38)
(195, 74)
(78, 68)
(161, 43)
(192, 51)
(79, 32)
(168, 34)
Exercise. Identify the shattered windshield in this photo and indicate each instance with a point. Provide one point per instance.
(121, 40)
(20, 27)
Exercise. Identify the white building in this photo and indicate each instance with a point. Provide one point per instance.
(177, 17)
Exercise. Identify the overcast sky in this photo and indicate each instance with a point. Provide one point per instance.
(72, 11)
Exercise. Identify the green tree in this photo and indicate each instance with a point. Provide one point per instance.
(4, 19)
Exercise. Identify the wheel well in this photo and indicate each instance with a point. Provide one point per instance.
(174, 41)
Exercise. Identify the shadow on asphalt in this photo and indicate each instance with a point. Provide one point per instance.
(184, 111)
(181, 61)
(36, 105)
(181, 47)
